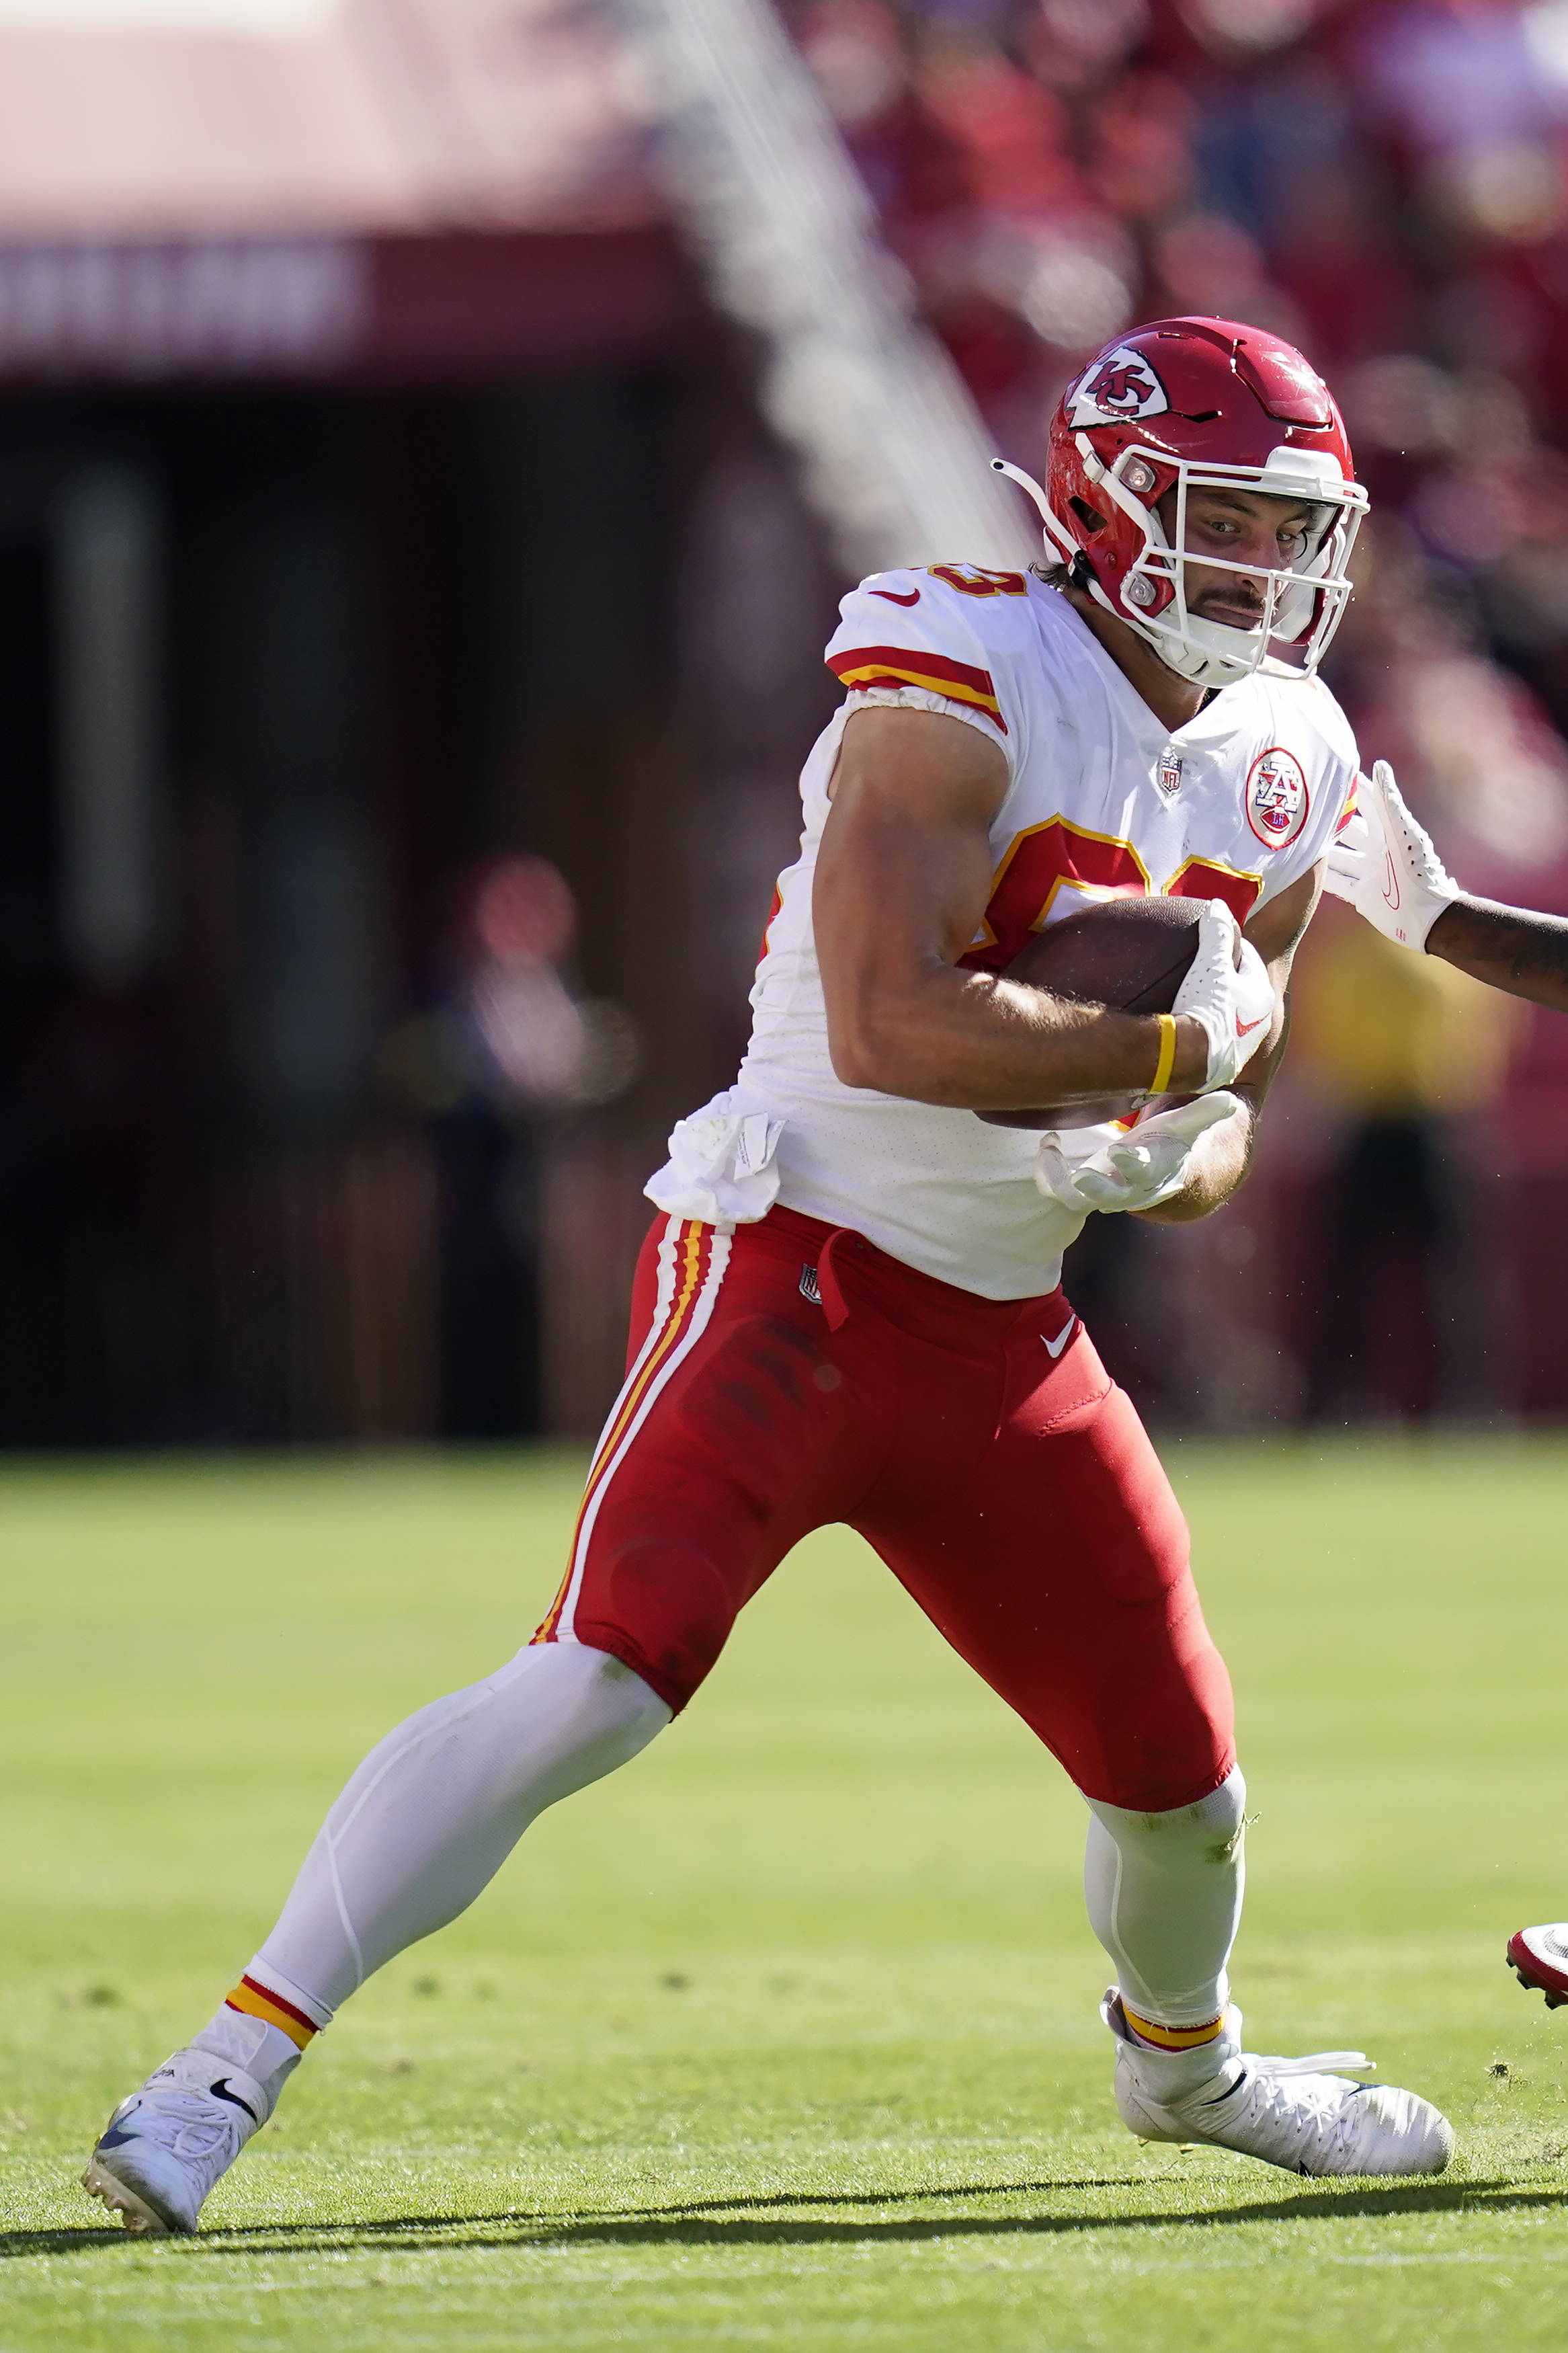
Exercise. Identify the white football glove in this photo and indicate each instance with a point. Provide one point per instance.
(1139, 1170)
(1234, 1005)
(1385, 865)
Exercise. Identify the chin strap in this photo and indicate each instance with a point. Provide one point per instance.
(1198, 668)
(1207, 669)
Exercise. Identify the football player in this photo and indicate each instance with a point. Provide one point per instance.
(1385, 865)
(848, 1307)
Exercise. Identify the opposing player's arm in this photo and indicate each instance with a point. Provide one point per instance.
(1222, 1157)
(1512, 948)
(1385, 865)
(902, 879)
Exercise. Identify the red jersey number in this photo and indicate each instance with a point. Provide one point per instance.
(1202, 878)
(1055, 857)
(1041, 863)
(974, 580)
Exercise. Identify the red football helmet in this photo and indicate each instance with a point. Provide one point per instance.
(1209, 404)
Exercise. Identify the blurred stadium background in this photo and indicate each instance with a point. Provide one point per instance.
(433, 437)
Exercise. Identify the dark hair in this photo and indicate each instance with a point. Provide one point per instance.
(1075, 574)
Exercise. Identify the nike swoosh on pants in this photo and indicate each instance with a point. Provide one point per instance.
(1053, 1347)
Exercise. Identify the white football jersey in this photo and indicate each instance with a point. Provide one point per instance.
(1103, 803)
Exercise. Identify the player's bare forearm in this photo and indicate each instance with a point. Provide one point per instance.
(972, 1042)
(1512, 948)
(902, 879)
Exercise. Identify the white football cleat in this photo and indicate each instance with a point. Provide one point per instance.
(1284, 2111)
(164, 2148)
(1538, 1959)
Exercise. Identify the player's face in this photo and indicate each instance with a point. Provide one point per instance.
(1243, 527)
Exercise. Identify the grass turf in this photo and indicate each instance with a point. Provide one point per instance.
(787, 2033)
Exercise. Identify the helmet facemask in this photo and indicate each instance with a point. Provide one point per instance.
(1303, 604)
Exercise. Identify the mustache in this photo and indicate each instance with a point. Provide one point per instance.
(1222, 603)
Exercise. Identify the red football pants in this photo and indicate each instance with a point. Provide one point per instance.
(787, 1376)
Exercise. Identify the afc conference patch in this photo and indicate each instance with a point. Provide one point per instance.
(1277, 797)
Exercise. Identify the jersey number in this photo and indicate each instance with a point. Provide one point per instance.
(974, 580)
(1055, 857)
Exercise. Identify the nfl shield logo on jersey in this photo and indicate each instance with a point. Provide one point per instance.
(1277, 797)
(1170, 774)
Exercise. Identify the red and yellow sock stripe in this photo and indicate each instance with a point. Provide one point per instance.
(690, 1264)
(259, 2002)
(1173, 2038)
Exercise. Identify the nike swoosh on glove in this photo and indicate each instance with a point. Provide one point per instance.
(1232, 1002)
(1387, 867)
(1139, 1170)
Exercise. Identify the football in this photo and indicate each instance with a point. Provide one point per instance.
(1131, 954)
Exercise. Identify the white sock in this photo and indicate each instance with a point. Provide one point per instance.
(1164, 1899)
(265, 2027)
(258, 2049)
(436, 1808)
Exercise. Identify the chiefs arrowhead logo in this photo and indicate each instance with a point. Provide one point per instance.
(1118, 384)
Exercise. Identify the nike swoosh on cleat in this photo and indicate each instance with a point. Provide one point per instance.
(220, 2091)
(893, 596)
(1053, 1347)
(115, 2138)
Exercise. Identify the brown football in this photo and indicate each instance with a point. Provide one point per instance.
(1131, 954)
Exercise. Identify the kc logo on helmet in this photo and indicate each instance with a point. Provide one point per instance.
(1277, 797)
(1119, 384)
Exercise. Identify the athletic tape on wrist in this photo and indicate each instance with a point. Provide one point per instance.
(1167, 1061)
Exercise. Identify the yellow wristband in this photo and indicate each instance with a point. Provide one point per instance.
(1167, 1061)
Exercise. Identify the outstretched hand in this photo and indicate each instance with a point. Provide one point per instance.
(1385, 865)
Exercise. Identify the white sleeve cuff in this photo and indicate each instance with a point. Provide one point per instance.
(920, 698)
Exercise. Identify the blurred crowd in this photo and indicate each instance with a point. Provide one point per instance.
(1381, 181)
(318, 928)
(1384, 183)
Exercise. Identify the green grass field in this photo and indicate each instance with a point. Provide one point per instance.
(787, 2035)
